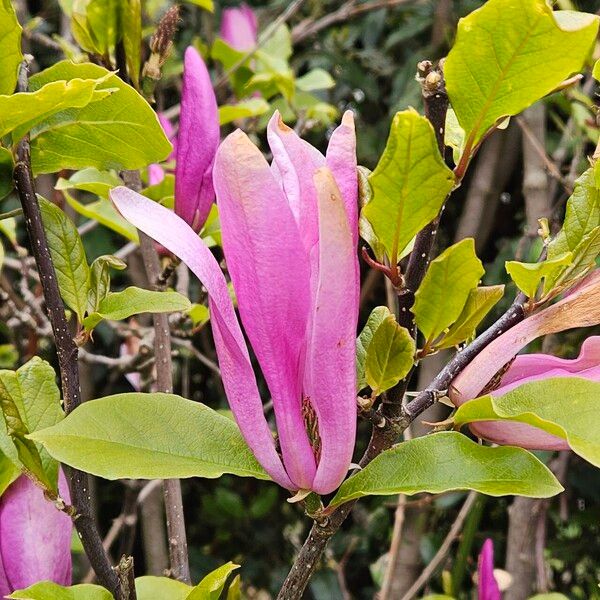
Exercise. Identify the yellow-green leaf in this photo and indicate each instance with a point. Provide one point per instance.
(410, 183)
(507, 55)
(377, 316)
(251, 107)
(10, 47)
(528, 276)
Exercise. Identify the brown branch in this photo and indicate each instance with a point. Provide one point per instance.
(66, 353)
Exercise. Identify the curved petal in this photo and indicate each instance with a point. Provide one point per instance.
(330, 378)
(239, 27)
(341, 160)
(581, 308)
(236, 369)
(296, 162)
(270, 274)
(35, 537)
(197, 142)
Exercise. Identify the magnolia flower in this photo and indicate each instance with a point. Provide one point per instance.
(289, 235)
(35, 537)
(487, 586)
(581, 308)
(239, 27)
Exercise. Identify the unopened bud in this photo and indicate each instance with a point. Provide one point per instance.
(162, 41)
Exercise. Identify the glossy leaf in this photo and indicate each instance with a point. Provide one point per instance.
(479, 303)
(442, 296)
(68, 257)
(377, 316)
(568, 407)
(151, 588)
(30, 401)
(212, 585)
(251, 107)
(528, 276)
(99, 286)
(450, 461)
(47, 590)
(390, 355)
(90, 180)
(120, 132)
(10, 47)
(410, 183)
(105, 213)
(150, 436)
(116, 306)
(499, 64)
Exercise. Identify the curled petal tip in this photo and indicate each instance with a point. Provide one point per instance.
(348, 119)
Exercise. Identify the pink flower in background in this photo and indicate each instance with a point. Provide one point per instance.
(487, 586)
(580, 308)
(35, 537)
(289, 234)
(239, 27)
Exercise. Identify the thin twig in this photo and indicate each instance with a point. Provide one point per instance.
(437, 560)
(66, 352)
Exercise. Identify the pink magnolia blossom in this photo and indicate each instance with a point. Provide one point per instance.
(35, 537)
(239, 27)
(289, 234)
(581, 308)
(487, 586)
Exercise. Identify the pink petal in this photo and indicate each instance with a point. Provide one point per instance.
(239, 27)
(236, 369)
(155, 174)
(487, 587)
(169, 132)
(35, 537)
(270, 275)
(197, 142)
(341, 159)
(330, 377)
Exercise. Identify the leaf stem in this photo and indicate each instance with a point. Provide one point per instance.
(66, 351)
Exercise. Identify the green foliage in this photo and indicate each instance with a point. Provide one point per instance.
(150, 436)
(528, 276)
(212, 585)
(442, 296)
(9, 471)
(498, 65)
(99, 284)
(120, 132)
(68, 257)
(450, 461)
(116, 306)
(377, 316)
(21, 112)
(390, 355)
(479, 303)
(47, 590)
(10, 47)
(252, 107)
(30, 400)
(6, 170)
(568, 407)
(131, 23)
(410, 183)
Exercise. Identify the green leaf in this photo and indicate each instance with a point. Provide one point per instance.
(47, 590)
(377, 316)
(252, 107)
(199, 314)
(446, 461)
(6, 172)
(317, 79)
(479, 303)
(596, 71)
(528, 276)
(105, 213)
(30, 401)
(551, 596)
(68, 257)
(132, 301)
(100, 279)
(23, 111)
(212, 585)
(90, 180)
(10, 47)
(442, 296)
(121, 132)
(151, 588)
(454, 135)
(390, 355)
(410, 183)
(568, 407)
(234, 592)
(98, 24)
(131, 23)
(499, 64)
(205, 4)
(150, 436)
(8, 472)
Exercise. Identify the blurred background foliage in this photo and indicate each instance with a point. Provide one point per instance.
(366, 61)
